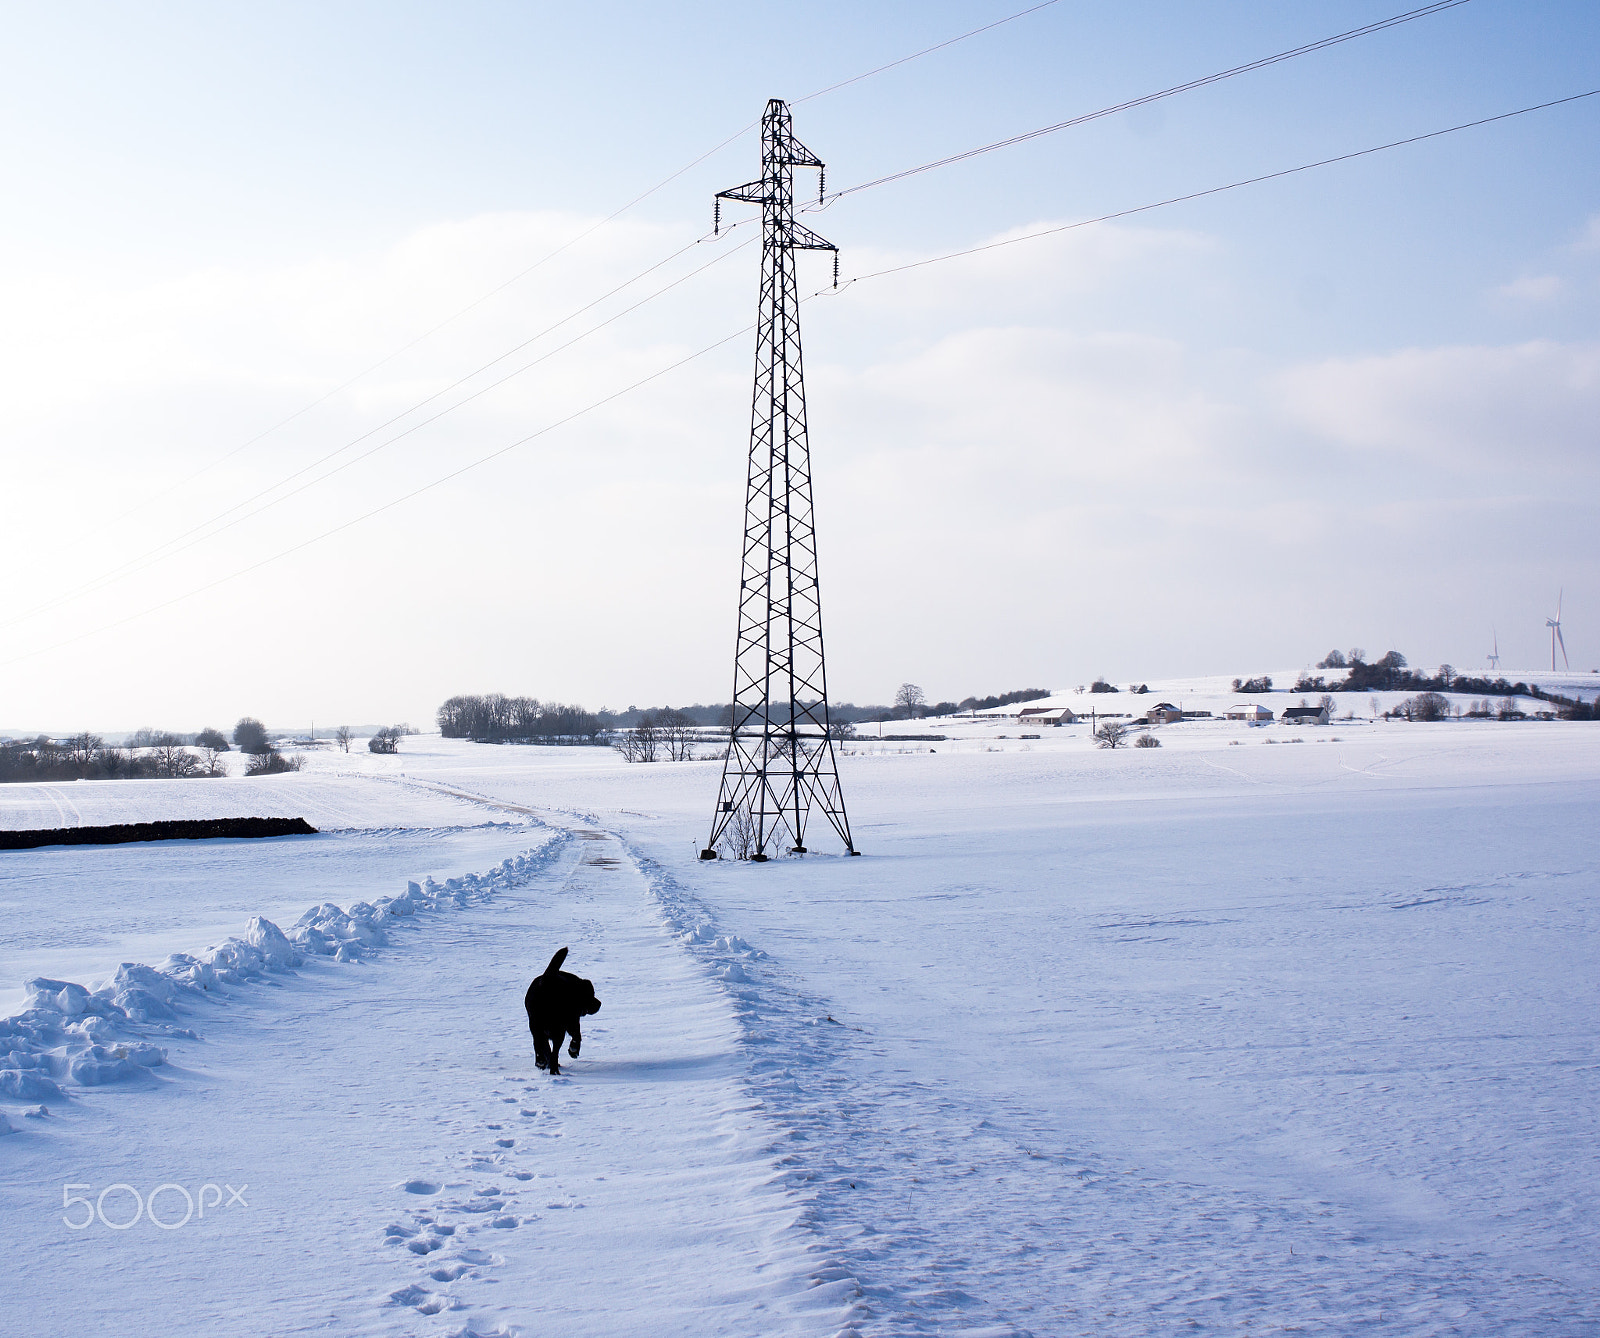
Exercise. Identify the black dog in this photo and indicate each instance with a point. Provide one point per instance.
(555, 1001)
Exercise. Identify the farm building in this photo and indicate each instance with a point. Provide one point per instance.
(1304, 715)
(1046, 715)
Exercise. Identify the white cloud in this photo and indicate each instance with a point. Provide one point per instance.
(1459, 408)
(1010, 487)
(1013, 275)
(1533, 288)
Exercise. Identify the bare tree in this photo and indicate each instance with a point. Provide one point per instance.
(840, 730)
(1425, 706)
(739, 836)
(677, 734)
(908, 697)
(386, 740)
(271, 762)
(1147, 741)
(83, 747)
(646, 737)
(341, 736)
(641, 743)
(1112, 734)
(174, 761)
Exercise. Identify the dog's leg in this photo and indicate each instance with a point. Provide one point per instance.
(541, 1050)
(577, 1039)
(555, 1053)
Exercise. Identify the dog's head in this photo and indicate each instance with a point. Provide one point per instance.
(586, 1001)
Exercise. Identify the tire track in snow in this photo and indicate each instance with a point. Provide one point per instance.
(50, 794)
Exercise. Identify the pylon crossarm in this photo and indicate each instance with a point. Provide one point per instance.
(803, 239)
(752, 192)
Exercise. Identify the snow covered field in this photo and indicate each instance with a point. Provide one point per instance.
(1217, 1037)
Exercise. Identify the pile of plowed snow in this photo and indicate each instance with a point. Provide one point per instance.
(70, 1032)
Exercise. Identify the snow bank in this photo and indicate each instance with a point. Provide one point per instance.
(91, 1037)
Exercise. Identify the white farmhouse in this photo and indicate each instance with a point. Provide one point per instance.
(1046, 715)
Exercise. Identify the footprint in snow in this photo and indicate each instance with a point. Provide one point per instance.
(419, 1240)
(422, 1300)
(480, 1257)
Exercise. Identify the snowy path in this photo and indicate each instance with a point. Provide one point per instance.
(409, 1171)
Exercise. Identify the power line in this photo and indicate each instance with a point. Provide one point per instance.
(176, 543)
(709, 348)
(1148, 98)
(551, 255)
(190, 538)
(1218, 190)
(915, 55)
(390, 505)
(1305, 49)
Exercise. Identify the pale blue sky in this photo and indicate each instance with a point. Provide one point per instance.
(169, 149)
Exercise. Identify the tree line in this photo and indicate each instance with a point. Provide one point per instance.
(497, 718)
(148, 754)
(1391, 673)
(89, 757)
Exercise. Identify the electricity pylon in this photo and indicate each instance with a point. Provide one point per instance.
(780, 764)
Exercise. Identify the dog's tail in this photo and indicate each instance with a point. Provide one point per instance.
(555, 963)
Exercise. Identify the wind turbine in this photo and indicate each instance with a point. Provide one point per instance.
(1554, 624)
(1494, 660)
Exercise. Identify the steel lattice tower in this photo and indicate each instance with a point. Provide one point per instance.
(780, 762)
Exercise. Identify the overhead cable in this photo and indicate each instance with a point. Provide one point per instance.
(221, 523)
(1216, 190)
(559, 250)
(1148, 98)
(726, 339)
(915, 55)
